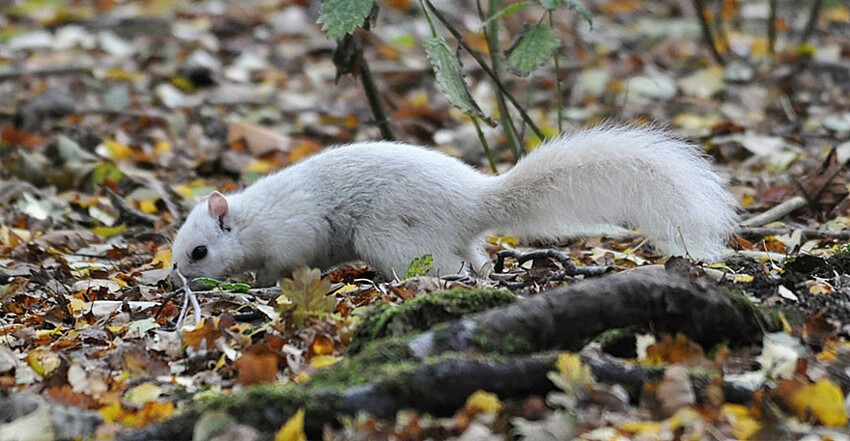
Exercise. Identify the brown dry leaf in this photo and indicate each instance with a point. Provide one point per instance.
(303, 149)
(826, 187)
(65, 395)
(817, 330)
(678, 350)
(206, 330)
(258, 364)
(259, 140)
(675, 390)
(14, 136)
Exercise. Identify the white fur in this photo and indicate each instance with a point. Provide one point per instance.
(387, 203)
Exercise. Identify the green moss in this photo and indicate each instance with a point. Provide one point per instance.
(618, 342)
(504, 344)
(423, 312)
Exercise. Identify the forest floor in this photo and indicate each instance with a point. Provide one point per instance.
(117, 117)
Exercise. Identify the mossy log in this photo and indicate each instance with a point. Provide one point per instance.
(496, 350)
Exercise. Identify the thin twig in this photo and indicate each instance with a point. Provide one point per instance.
(807, 233)
(59, 70)
(777, 212)
(486, 69)
(706, 31)
(375, 103)
(371, 88)
(570, 268)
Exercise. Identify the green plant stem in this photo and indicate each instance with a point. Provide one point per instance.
(699, 5)
(558, 84)
(486, 69)
(814, 15)
(485, 144)
(771, 27)
(491, 33)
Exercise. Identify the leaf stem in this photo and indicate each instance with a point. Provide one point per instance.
(484, 144)
(527, 119)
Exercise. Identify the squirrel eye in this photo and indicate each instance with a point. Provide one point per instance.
(199, 253)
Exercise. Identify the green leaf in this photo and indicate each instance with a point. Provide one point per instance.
(450, 77)
(342, 17)
(105, 171)
(534, 46)
(225, 286)
(419, 266)
(573, 5)
(510, 9)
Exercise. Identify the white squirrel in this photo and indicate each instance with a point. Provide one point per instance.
(387, 203)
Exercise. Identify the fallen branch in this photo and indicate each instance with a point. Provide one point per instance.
(567, 318)
(438, 388)
(807, 233)
(776, 213)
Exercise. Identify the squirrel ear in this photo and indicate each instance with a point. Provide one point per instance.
(218, 209)
(217, 204)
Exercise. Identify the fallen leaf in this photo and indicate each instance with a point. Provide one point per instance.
(293, 429)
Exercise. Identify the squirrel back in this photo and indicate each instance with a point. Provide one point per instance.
(388, 203)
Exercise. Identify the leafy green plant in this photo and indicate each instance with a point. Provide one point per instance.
(419, 266)
(533, 47)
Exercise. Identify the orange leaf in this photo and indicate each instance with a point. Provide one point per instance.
(258, 364)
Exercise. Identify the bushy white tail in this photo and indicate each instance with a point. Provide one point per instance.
(631, 176)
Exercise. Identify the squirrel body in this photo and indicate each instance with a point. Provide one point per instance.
(387, 203)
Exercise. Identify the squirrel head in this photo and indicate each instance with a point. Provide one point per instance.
(207, 244)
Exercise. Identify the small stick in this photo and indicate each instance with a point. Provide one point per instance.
(777, 212)
(807, 233)
(188, 296)
(570, 269)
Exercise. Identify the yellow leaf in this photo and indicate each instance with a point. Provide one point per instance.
(322, 361)
(162, 258)
(744, 426)
(760, 47)
(293, 429)
(573, 370)
(142, 394)
(646, 428)
(43, 362)
(117, 73)
(820, 288)
(482, 401)
(148, 206)
(742, 278)
(110, 413)
(347, 288)
(823, 399)
(185, 191)
(116, 150)
(78, 305)
(510, 241)
(260, 166)
(107, 232)
(162, 146)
